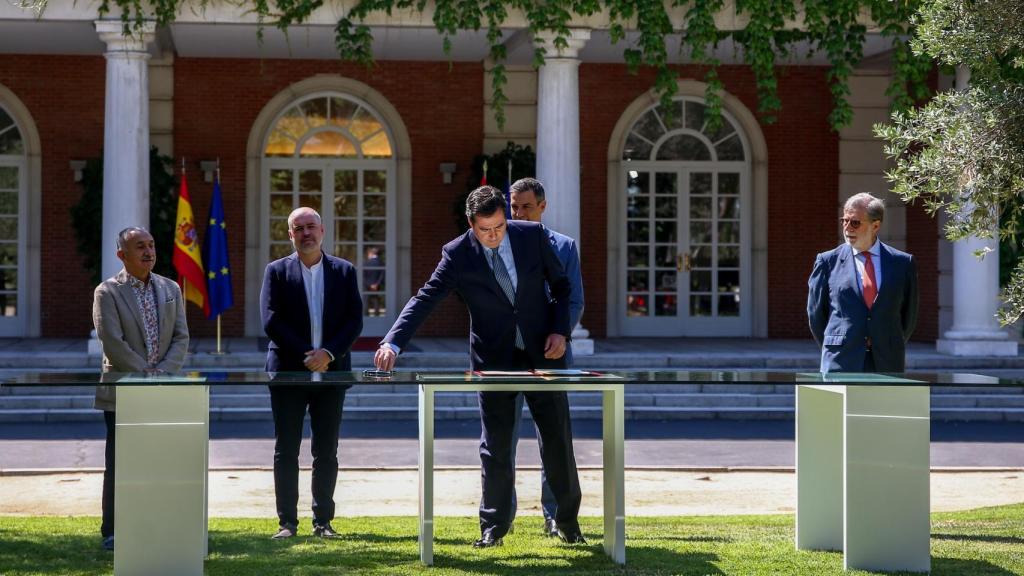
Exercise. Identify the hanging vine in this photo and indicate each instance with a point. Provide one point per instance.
(833, 27)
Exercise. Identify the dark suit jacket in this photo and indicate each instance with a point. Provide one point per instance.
(285, 313)
(463, 268)
(841, 322)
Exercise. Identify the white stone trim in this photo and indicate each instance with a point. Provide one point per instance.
(751, 129)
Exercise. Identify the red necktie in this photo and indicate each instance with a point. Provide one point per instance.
(868, 280)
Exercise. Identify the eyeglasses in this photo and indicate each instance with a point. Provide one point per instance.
(852, 223)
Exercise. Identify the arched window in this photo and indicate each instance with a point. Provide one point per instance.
(12, 186)
(333, 153)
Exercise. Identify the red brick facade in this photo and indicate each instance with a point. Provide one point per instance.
(217, 101)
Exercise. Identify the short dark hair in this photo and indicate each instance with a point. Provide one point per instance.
(484, 201)
(528, 185)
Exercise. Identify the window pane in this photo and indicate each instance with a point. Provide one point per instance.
(666, 206)
(729, 232)
(638, 232)
(729, 256)
(8, 279)
(375, 181)
(700, 281)
(310, 181)
(364, 125)
(700, 184)
(375, 256)
(729, 183)
(310, 201)
(665, 231)
(346, 205)
(729, 305)
(374, 230)
(10, 141)
(730, 149)
(729, 281)
(9, 305)
(700, 232)
(665, 183)
(649, 126)
(665, 281)
(637, 256)
(665, 256)
(676, 122)
(695, 115)
(280, 205)
(345, 181)
(9, 178)
(373, 280)
(375, 306)
(279, 250)
(700, 207)
(9, 228)
(700, 256)
(342, 111)
(345, 231)
(683, 147)
(636, 280)
(729, 207)
(637, 207)
(665, 305)
(9, 254)
(375, 205)
(279, 230)
(700, 305)
(377, 146)
(346, 251)
(315, 111)
(636, 148)
(636, 304)
(279, 145)
(330, 144)
(638, 183)
(281, 180)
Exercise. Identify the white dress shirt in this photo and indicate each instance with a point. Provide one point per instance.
(313, 280)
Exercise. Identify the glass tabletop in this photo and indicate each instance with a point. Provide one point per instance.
(471, 378)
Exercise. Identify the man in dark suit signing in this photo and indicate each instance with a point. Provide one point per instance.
(862, 296)
(312, 313)
(499, 268)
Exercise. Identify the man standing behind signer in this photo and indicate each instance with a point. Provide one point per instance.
(862, 296)
(500, 269)
(312, 313)
(528, 203)
(139, 318)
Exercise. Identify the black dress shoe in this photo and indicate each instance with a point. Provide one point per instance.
(324, 531)
(284, 532)
(549, 528)
(487, 541)
(571, 535)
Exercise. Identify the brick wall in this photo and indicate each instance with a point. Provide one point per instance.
(69, 117)
(217, 101)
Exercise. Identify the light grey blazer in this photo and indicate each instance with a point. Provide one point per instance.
(119, 327)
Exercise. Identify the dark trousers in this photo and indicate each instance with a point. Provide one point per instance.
(107, 524)
(869, 362)
(289, 405)
(550, 412)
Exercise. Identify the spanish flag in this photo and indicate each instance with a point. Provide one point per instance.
(187, 259)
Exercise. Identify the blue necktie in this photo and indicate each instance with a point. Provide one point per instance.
(501, 275)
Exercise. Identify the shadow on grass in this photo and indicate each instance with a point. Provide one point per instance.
(961, 567)
(980, 538)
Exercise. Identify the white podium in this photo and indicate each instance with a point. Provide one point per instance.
(862, 471)
(160, 479)
(613, 434)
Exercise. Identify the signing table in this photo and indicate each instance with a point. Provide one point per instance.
(862, 454)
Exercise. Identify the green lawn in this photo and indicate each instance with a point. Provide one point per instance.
(985, 542)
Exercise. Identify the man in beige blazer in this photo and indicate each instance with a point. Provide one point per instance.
(140, 321)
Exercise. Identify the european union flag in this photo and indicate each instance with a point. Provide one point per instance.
(215, 254)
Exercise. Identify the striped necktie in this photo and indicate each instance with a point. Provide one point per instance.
(501, 275)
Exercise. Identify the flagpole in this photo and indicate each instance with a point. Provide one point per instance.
(184, 279)
(220, 351)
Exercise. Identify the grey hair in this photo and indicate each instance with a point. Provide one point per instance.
(291, 217)
(872, 205)
(122, 236)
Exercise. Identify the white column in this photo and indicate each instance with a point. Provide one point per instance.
(125, 135)
(558, 144)
(975, 331)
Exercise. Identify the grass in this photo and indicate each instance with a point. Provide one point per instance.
(983, 542)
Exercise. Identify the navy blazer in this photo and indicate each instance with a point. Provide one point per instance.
(463, 269)
(841, 322)
(285, 313)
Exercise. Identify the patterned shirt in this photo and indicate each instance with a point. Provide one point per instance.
(145, 295)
